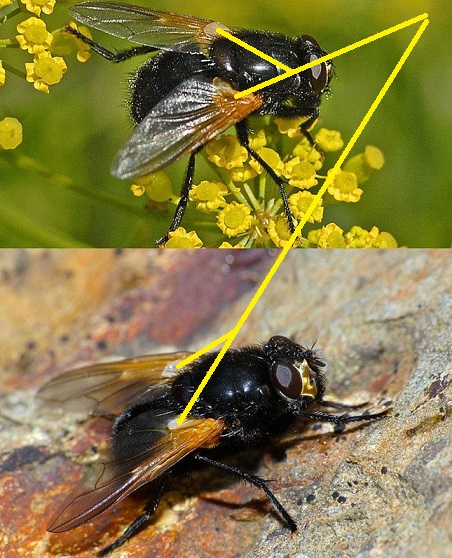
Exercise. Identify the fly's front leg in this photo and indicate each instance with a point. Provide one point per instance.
(105, 53)
(307, 125)
(341, 420)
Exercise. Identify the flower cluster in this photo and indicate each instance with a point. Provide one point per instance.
(242, 207)
(46, 65)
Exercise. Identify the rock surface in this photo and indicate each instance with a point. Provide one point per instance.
(383, 320)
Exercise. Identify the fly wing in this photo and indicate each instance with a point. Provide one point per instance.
(193, 113)
(107, 388)
(148, 453)
(165, 31)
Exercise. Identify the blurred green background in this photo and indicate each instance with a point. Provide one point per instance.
(77, 129)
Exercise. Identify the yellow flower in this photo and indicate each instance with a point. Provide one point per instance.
(66, 43)
(290, 126)
(358, 237)
(228, 245)
(180, 238)
(365, 164)
(271, 157)
(45, 70)
(2, 74)
(329, 140)
(138, 189)
(35, 6)
(156, 185)
(10, 133)
(313, 236)
(259, 140)
(242, 174)
(279, 231)
(234, 218)
(225, 151)
(301, 174)
(300, 202)
(4, 3)
(306, 152)
(345, 187)
(385, 240)
(209, 195)
(34, 36)
(330, 237)
(374, 157)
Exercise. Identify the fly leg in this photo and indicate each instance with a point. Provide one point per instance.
(341, 420)
(242, 134)
(256, 481)
(183, 201)
(149, 510)
(341, 406)
(114, 57)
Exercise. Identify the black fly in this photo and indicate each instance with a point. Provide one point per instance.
(184, 96)
(255, 394)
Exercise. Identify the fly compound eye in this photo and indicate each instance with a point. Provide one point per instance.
(319, 75)
(309, 39)
(287, 379)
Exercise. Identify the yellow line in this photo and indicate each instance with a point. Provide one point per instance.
(252, 49)
(207, 377)
(335, 54)
(230, 336)
(199, 353)
(356, 135)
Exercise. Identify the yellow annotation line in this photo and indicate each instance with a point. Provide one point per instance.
(254, 50)
(231, 335)
(292, 71)
(204, 350)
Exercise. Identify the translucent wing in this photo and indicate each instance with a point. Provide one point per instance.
(107, 388)
(165, 31)
(148, 448)
(193, 113)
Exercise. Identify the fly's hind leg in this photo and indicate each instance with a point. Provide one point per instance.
(149, 510)
(256, 481)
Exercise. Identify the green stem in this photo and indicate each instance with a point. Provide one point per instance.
(255, 204)
(29, 164)
(8, 12)
(276, 206)
(16, 222)
(262, 186)
(11, 69)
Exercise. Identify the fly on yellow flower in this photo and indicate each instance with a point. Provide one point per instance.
(247, 206)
